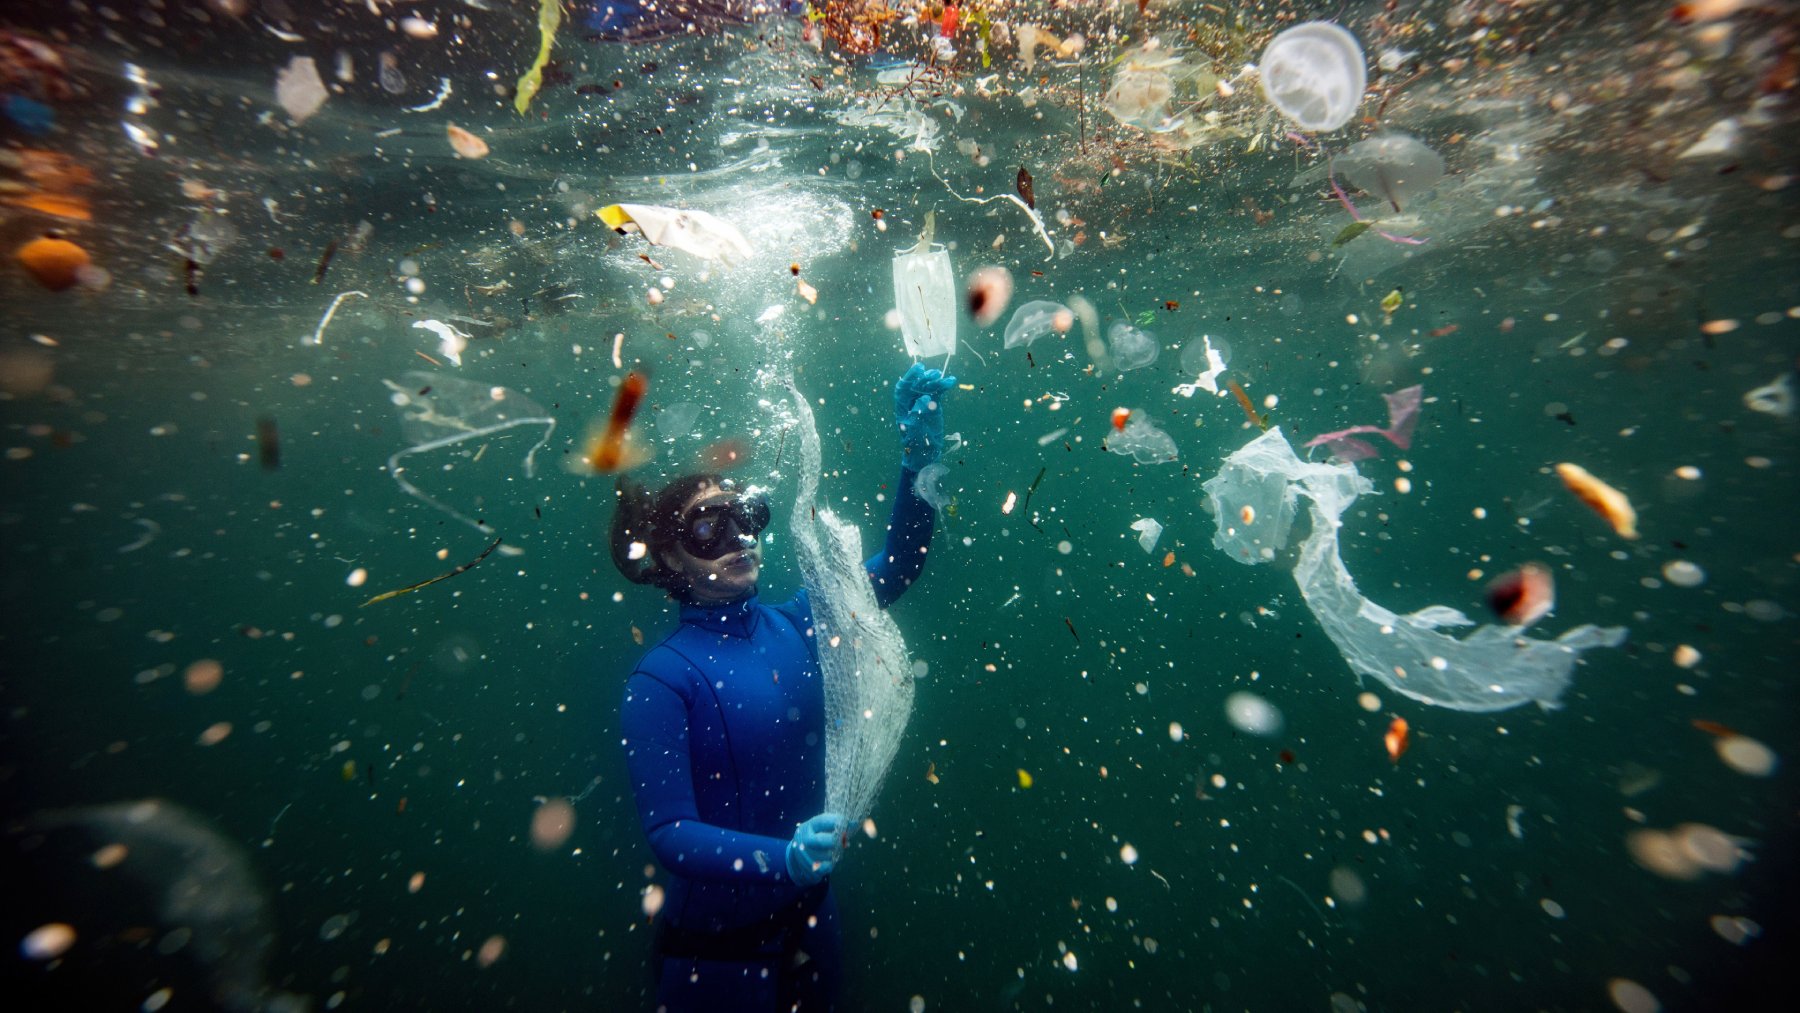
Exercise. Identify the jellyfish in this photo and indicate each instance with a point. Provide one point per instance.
(1395, 167)
(1131, 348)
(145, 867)
(1036, 319)
(1205, 359)
(677, 419)
(1314, 74)
(931, 484)
(1139, 97)
(1143, 442)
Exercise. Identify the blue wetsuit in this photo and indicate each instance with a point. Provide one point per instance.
(724, 735)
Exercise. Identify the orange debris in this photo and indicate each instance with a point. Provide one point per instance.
(1601, 498)
(55, 263)
(1398, 737)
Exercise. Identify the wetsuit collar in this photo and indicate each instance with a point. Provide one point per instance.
(734, 618)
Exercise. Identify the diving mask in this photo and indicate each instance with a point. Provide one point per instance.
(727, 524)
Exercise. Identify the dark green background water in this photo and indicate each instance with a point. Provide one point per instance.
(470, 698)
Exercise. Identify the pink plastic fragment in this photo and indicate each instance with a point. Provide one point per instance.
(1403, 415)
(1349, 448)
(1403, 418)
(1355, 215)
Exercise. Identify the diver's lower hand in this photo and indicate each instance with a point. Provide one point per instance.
(918, 409)
(813, 852)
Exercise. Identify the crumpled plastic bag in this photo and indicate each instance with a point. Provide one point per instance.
(1254, 498)
(704, 235)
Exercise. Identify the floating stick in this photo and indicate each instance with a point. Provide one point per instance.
(385, 595)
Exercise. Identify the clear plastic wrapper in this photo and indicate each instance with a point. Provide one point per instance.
(1254, 498)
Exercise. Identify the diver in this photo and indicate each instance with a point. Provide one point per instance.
(724, 732)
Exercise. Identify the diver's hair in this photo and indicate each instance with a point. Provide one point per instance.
(653, 519)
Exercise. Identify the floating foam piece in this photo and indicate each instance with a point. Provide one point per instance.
(1254, 498)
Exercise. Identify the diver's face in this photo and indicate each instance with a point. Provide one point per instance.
(728, 577)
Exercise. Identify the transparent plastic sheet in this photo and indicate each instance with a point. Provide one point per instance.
(1254, 497)
(862, 656)
(438, 411)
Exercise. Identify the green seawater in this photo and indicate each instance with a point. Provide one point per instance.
(1574, 271)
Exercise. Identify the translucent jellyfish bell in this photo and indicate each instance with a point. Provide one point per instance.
(1131, 348)
(932, 484)
(1143, 442)
(1394, 167)
(1139, 97)
(1194, 358)
(1036, 319)
(1314, 74)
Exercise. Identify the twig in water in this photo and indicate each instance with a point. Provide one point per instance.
(385, 595)
(318, 334)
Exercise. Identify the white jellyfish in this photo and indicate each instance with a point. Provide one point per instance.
(931, 485)
(1142, 441)
(1036, 319)
(1395, 167)
(1131, 348)
(1314, 74)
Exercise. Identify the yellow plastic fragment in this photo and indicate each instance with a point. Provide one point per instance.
(1024, 778)
(614, 216)
(550, 17)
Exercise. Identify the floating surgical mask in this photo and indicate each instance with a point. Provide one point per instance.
(925, 294)
(1254, 498)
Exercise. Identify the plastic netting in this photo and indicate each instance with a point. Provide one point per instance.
(862, 656)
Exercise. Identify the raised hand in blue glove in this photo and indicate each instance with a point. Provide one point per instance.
(918, 408)
(813, 852)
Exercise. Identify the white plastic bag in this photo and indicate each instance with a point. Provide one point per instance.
(1254, 499)
(706, 236)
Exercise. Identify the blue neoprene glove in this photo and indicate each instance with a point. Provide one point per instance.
(813, 852)
(919, 410)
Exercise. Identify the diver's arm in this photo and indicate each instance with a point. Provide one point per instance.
(918, 412)
(655, 726)
(902, 557)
